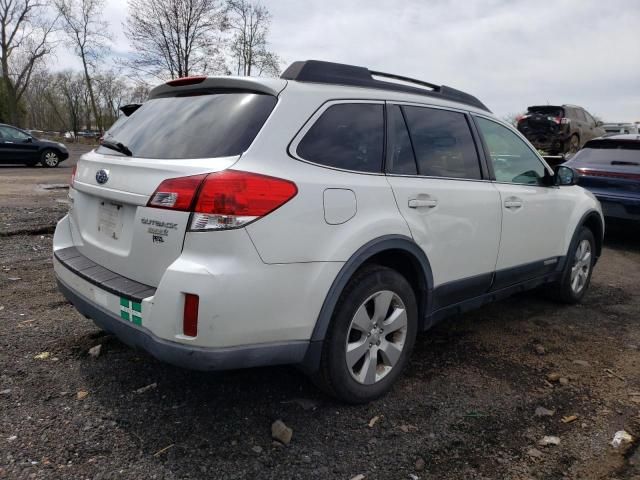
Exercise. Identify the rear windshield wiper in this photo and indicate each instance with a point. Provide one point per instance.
(117, 146)
(620, 162)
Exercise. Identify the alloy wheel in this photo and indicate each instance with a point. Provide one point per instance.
(581, 266)
(51, 159)
(376, 337)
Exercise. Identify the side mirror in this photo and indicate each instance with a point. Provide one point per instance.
(28, 140)
(599, 124)
(565, 175)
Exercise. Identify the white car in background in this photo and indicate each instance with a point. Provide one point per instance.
(624, 128)
(322, 219)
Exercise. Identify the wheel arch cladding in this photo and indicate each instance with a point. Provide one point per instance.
(394, 251)
(594, 222)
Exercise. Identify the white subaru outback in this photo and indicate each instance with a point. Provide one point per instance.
(322, 219)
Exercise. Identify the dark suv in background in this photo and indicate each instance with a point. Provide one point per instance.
(559, 129)
(19, 146)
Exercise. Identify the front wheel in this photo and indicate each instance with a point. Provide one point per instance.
(371, 335)
(576, 275)
(49, 159)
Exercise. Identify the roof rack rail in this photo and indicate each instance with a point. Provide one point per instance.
(318, 71)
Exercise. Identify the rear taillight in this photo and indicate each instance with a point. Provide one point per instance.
(564, 120)
(231, 199)
(223, 200)
(73, 175)
(603, 173)
(176, 193)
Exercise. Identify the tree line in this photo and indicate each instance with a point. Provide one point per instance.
(168, 39)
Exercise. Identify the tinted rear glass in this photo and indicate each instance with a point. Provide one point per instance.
(548, 110)
(193, 126)
(609, 153)
(348, 136)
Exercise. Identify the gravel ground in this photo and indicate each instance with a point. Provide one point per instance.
(466, 407)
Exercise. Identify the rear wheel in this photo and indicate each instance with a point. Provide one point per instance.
(371, 336)
(576, 276)
(49, 159)
(574, 144)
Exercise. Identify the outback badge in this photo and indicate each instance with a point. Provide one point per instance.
(102, 176)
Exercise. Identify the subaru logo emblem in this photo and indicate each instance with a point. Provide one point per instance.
(102, 176)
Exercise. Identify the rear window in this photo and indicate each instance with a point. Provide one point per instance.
(610, 153)
(548, 110)
(348, 136)
(193, 126)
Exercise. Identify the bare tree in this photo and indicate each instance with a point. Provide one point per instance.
(175, 38)
(512, 118)
(249, 23)
(86, 33)
(25, 40)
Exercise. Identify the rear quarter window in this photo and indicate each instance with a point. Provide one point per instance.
(349, 136)
(203, 125)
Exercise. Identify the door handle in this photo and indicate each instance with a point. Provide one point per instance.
(513, 203)
(422, 202)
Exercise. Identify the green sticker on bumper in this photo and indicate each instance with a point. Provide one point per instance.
(131, 311)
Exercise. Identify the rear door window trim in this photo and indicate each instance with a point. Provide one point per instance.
(485, 172)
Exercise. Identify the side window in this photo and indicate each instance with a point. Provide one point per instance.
(13, 134)
(348, 136)
(590, 119)
(512, 160)
(580, 114)
(443, 143)
(400, 158)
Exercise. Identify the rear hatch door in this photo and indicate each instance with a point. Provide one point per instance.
(173, 135)
(609, 167)
(541, 120)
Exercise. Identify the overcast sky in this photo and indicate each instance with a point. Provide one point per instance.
(509, 53)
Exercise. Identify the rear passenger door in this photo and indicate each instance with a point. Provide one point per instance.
(534, 216)
(452, 210)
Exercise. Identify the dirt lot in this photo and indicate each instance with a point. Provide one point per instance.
(465, 409)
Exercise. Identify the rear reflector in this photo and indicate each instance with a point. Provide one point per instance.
(178, 82)
(190, 319)
(176, 193)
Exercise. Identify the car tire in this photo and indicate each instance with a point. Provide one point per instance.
(576, 275)
(49, 158)
(376, 299)
(574, 144)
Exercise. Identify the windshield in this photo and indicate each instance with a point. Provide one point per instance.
(192, 126)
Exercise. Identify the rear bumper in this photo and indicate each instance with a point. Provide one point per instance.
(187, 356)
(621, 208)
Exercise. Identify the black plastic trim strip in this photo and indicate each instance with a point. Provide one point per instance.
(87, 269)
(188, 356)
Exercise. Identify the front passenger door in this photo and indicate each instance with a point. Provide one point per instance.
(533, 215)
